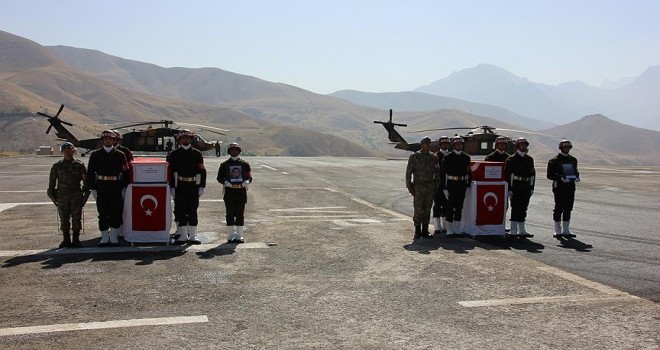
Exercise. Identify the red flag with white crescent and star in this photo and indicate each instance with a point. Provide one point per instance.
(148, 208)
(491, 204)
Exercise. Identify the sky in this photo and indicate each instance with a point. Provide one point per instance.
(375, 46)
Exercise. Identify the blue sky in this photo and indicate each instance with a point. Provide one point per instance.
(364, 45)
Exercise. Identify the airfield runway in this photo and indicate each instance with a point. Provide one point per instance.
(329, 263)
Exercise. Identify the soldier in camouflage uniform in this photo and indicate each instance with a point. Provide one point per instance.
(421, 181)
(64, 189)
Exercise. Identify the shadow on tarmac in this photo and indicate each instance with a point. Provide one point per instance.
(426, 245)
(497, 242)
(223, 249)
(572, 243)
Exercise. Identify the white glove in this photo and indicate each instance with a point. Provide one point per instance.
(94, 194)
(578, 179)
(227, 184)
(565, 180)
(172, 191)
(201, 191)
(246, 184)
(123, 193)
(446, 192)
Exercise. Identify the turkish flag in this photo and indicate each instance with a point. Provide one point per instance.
(491, 204)
(149, 208)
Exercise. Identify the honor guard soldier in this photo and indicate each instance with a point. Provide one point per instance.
(187, 185)
(520, 176)
(107, 178)
(499, 155)
(440, 201)
(563, 172)
(64, 189)
(455, 177)
(117, 144)
(236, 175)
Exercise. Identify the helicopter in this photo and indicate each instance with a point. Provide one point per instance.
(480, 140)
(160, 139)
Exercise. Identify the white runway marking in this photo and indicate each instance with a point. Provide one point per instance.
(138, 322)
(305, 209)
(268, 167)
(539, 300)
(285, 173)
(136, 249)
(583, 281)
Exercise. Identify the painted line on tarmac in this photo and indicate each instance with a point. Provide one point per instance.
(545, 300)
(268, 167)
(314, 209)
(583, 281)
(135, 249)
(138, 322)
(285, 173)
(384, 210)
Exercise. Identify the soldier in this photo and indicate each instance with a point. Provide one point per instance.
(117, 144)
(499, 155)
(455, 177)
(107, 177)
(520, 175)
(440, 201)
(217, 149)
(421, 181)
(187, 185)
(563, 172)
(236, 175)
(65, 191)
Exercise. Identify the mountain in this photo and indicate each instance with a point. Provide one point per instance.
(419, 102)
(598, 139)
(42, 81)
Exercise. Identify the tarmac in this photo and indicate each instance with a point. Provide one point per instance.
(325, 266)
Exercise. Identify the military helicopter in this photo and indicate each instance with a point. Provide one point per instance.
(150, 139)
(480, 140)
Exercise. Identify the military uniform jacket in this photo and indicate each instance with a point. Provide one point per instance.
(497, 157)
(422, 169)
(102, 163)
(127, 153)
(187, 163)
(455, 165)
(228, 166)
(520, 167)
(556, 170)
(66, 177)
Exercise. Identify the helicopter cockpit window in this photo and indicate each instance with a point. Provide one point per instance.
(484, 145)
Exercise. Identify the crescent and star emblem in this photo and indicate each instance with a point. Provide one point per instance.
(148, 212)
(486, 196)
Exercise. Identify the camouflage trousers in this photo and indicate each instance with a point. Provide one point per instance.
(423, 202)
(70, 210)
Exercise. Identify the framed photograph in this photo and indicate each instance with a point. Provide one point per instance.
(235, 174)
(568, 171)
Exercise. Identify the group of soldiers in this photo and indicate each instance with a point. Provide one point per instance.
(106, 178)
(441, 180)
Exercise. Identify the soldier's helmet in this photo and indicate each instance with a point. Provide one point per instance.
(424, 140)
(184, 132)
(118, 135)
(108, 133)
(443, 139)
(457, 139)
(234, 145)
(67, 145)
(565, 143)
(501, 139)
(521, 140)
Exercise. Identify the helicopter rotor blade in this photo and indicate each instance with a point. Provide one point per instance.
(202, 126)
(49, 127)
(438, 129)
(59, 111)
(65, 123)
(213, 131)
(44, 115)
(529, 132)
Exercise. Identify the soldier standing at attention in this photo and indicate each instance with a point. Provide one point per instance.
(440, 201)
(117, 144)
(186, 187)
(520, 175)
(64, 189)
(421, 181)
(236, 175)
(499, 155)
(455, 179)
(107, 177)
(563, 172)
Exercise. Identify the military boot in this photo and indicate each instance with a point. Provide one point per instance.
(557, 229)
(566, 232)
(437, 225)
(76, 240)
(192, 235)
(522, 231)
(450, 228)
(425, 231)
(418, 231)
(105, 238)
(66, 240)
